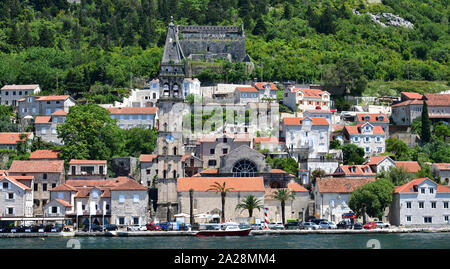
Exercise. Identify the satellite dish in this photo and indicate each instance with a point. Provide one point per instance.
(169, 139)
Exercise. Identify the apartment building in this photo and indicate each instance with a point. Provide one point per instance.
(46, 126)
(365, 135)
(130, 117)
(300, 99)
(87, 169)
(10, 94)
(44, 105)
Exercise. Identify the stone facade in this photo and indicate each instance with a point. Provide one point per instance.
(129, 207)
(87, 169)
(44, 105)
(11, 94)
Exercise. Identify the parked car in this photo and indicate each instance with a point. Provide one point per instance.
(276, 226)
(5, 229)
(137, 227)
(94, 228)
(327, 225)
(370, 225)
(32, 229)
(382, 225)
(293, 225)
(110, 227)
(317, 221)
(153, 227)
(18, 229)
(309, 226)
(257, 226)
(56, 228)
(344, 225)
(357, 226)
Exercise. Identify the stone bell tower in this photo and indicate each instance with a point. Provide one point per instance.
(170, 146)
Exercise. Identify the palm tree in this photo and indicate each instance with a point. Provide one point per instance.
(250, 203)
(223, 193)
(283, 195)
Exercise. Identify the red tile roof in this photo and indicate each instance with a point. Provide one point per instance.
(437, 99)
(442, 166)
(299, 120)
(53, 98)
(374, 160)
(210, 171)
(409, 187)
(409, 166)
(309, 92)
(59, 112)
(237, 183)
(246, 89)
(360, 170)
(132, 110)
(412, 95)
(355, 130)
(15, 182)
(12, 138)
(45, 154)
(64, 203)
(261, 85)
(20, 87)
(116, 184)
(372, 117)
(294, 186)
(63, 187)
(92, 162)
(147, 158)
(42, 119)
(35, 166)
(272, 139)
(341, 185)
(408, 102)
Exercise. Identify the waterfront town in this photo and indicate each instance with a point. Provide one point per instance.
(268, 154)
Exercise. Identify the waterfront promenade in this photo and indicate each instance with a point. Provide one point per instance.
(253, 232)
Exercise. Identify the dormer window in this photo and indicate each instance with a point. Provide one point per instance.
(366, 118)
(415, 188)
(380, 118)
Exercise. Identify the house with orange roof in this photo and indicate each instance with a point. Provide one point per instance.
(363, 170)
(376, 119)
(16, 197)
(47, 174)
(245, 95)
(380, 163)
(149, 168)
(302, 99)
(367, 136)
(409, 166)
(45, 154)
(442, 171)
(120, 201)
(333, 194)
(10, 140)
(130, 117)
(306, 137)
(267, 90)
(272, 144)
(87, 170)
(46, 126)
(44, 105)
(405, 112)
(420, 202)
(10, 94)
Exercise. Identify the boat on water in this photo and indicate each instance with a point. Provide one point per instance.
(227, 229)
(431, 231)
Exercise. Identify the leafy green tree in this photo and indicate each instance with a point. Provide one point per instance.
(347, 73)
(397, 175)
(249, 203)
(335, 144)
(283, 195)
(352, 154)
(374, 197)
(90, 133)
(140, 140)
(426, 125)
(398, 148)
(441, 131)
(223, 190)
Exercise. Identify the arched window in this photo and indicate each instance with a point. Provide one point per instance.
(244, 168)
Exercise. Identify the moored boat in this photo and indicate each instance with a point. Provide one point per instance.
(228, 229)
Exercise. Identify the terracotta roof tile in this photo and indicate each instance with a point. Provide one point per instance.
(132, 110)
(147, 158)
(299, 120)
(45, 154)
(210, 171)
(42, 119)
(272, 139)
(64, 203)
(237, 183)
(63, 187)
(409, 187)
(92, 162)
(246, 89)
(442, 166)
(53, 98)
(412, 95)
(341, 185)
(354, 170)
(373, 117)
(12, 138)
(294, 186)
(15, 182)
(260, 85)
(374, 160)
(309, 92)
(59, 112)
(20, 87)
(409, 166)
(35, 166)
(355, 130)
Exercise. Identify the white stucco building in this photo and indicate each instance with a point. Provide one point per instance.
(300, 99)
(420, 202)
(365, 135)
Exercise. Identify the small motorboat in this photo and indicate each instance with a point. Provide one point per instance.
(228, 229)
(431, 231)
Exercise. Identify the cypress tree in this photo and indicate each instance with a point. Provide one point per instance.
(426, 125)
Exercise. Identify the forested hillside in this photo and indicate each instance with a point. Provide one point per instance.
(100, 46)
